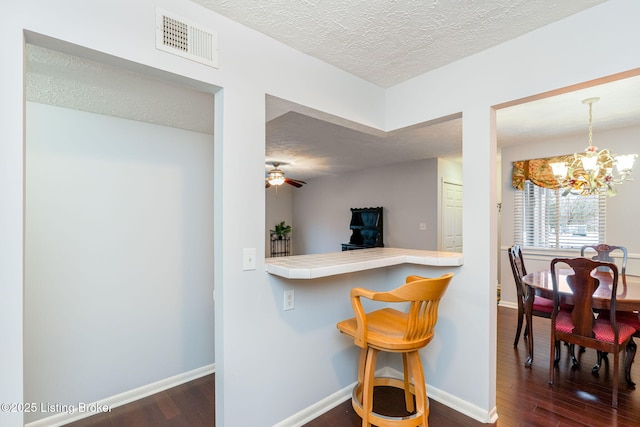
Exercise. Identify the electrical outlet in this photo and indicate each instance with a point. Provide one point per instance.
(289, 300)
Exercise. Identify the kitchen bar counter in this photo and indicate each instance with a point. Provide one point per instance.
(329, 264)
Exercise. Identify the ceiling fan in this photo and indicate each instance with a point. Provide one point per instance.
(276, 177)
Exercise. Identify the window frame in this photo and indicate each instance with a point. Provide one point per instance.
(539, 224)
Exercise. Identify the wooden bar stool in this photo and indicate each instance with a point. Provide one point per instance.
(395, 331)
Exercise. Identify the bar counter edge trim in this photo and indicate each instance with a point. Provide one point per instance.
(452, 260)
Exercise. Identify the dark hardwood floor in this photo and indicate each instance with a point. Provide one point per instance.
(189, 405)
(524, 398)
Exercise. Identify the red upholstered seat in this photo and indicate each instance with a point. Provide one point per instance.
(604, 331)
(602, 328)
(628, 317)
(543, 304)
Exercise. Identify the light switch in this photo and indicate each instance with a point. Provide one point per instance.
(249, 258)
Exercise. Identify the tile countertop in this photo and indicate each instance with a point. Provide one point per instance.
(329, 264)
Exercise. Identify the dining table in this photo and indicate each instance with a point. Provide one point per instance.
(540, 283)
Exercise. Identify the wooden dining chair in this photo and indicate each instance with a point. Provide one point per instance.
(603, 253)
(395, 331)
(631, 318)
(542, 307)
(580, 326)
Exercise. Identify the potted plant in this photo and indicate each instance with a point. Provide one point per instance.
(281, 230)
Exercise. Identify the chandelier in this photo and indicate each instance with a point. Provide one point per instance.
(592, 172)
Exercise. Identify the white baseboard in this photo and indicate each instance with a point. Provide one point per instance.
(451, 401)
(462, 406)
(301, 418)
(314, 411)
(74, 414)
(508, 304)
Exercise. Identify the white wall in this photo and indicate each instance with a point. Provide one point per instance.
(248, 317)
(585, 46)
(407, 192)
(622, 210)
(118, 255)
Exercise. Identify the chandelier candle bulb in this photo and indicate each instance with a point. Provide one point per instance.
(625, 162)
(590, 162)
(560, 170)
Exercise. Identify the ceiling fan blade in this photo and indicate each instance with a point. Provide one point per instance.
(266, 184)
(296, 183)
(296, 180)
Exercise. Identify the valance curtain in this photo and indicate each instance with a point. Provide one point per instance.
(538, 172)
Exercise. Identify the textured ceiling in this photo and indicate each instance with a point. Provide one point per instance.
(56, 78)
(389, 41)
(312, 145)
(315, 143)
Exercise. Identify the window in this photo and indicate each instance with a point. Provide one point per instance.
(544, 218)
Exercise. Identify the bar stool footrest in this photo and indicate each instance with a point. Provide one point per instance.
(386, 420)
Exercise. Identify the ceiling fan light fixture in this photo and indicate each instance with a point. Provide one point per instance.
(275, 177)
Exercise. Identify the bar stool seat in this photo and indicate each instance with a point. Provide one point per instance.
(395, 331)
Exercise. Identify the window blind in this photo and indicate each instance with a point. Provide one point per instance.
(544, 218)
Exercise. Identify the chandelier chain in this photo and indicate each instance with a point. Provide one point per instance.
(590, 124)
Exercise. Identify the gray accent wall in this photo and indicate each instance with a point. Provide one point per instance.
(406, 191)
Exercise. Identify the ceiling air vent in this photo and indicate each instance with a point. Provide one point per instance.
(183, 38)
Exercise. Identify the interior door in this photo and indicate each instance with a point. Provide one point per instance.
(451, 217)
